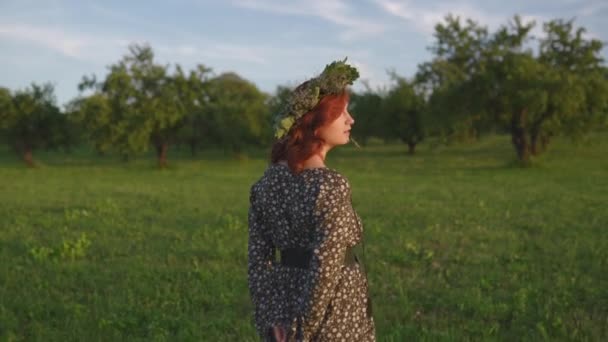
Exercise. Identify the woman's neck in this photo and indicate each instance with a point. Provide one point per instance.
(315, 161)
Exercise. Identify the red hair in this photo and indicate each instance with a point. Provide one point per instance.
(301, 141)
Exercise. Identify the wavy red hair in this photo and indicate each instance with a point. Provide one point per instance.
(302, 142)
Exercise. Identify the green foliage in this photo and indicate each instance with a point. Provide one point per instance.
(479, 82)
(7, 108)
(140, 104)
(403, 111)
(193, 92)
(30, 120)
(137, 104)
(93, 114)
(67, 250)
(366, 108)
(238, 112)
(334, 79)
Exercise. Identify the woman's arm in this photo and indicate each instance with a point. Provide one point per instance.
(330, 248)
(260, 254)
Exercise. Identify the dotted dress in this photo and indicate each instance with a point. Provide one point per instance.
(328, 300)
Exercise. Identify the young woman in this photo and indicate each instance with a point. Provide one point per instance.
(305, 275)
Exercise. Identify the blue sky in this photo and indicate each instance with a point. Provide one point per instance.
(269, 42)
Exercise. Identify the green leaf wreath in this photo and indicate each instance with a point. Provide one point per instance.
(333, 80)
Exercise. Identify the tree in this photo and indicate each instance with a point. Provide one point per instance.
(193, 92)
(478, 82)
(238, 112)
(94, 116)
(578, 99)
(560, 92)
(7, 109)
(446, 81)
(31, 120)
(403, 109)
(366, 107)
(145, 106)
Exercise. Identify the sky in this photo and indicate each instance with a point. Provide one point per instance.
(268, 42)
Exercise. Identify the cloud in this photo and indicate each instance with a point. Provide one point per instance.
(424, 19)
(592, 8)
(336, 12)
(104, 49)
(74, 45)
(280, 7)
(54, 39)
(215, 50)
(369, 76)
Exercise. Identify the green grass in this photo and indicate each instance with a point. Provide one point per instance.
(459, 244)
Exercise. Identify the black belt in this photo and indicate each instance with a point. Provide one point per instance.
(300, 257)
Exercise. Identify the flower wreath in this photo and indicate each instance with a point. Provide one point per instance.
(333, 80)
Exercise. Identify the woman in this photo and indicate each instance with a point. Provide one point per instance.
(305, 276)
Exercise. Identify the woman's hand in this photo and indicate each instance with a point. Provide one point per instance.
(279, 334)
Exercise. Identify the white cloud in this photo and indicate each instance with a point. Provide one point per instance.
(592, 8)
(336, 12)
(214, 50)
(75, 45)
(105, 49)
(424, 18)
(54, 39)
(280, 7)
(370, 76)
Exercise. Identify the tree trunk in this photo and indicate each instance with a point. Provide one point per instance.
(27, 157)
(411, 147)
(99, 151)
(519, 137)
(161, 153)
(535, 137)
(540, 138)
(544, 142)
(540, 142)
(192, 147)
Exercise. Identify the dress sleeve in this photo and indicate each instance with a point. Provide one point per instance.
(260, 254)
(329, 251)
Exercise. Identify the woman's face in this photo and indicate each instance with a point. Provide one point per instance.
(337, 132)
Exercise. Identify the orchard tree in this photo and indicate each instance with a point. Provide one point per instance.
(480, 82)
(560, 92)
(238, 112)
(366, 108)
(145, 107)
(403, 111)
(30, 120)
(7, 108)
(578, 98)
(445, 82)
(193, 91)
(94, 116)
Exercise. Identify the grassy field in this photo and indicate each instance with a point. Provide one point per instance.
(460, 245)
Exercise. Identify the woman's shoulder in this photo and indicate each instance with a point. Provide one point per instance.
(332, 186)
(324, 180)
(326, 175)
(332, 177)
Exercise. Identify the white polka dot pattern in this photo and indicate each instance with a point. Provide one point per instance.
(328, 301)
